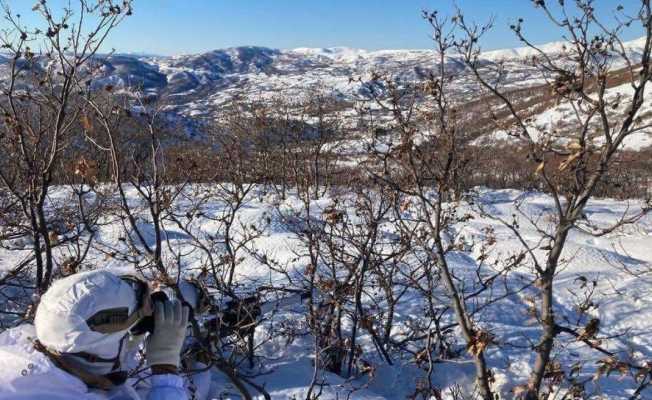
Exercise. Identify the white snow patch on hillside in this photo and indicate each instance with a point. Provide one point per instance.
(560, 123)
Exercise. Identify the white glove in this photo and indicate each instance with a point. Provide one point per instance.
(164, 345)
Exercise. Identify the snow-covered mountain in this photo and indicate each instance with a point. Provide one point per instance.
(197, 83)
(197, 86)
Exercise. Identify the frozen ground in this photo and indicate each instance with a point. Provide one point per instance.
(616, 262)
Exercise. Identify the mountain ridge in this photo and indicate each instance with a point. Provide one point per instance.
(197, 87)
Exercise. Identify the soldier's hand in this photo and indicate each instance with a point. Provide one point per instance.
(163, 347)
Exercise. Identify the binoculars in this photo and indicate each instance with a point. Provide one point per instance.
(147, 323)
(237, 316)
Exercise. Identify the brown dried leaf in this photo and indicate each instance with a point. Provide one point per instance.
(567, 162)
(481, 340)
(86, 123)
(86, 169)
(574, 146)
(590, 330)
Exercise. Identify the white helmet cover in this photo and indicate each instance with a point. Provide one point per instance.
(61, 316)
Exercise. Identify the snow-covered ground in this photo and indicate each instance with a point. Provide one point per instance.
(618, 264)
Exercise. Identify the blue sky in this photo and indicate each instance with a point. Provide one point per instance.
(192, 26)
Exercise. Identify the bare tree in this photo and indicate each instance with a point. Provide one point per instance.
(41, 110)
(580, 78)
(424, 163)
